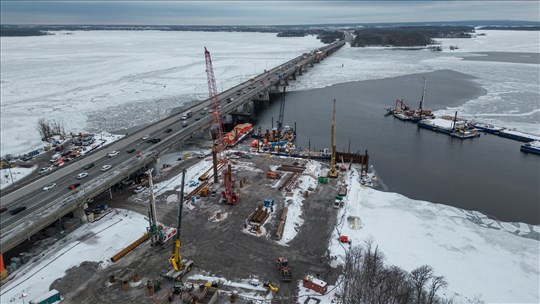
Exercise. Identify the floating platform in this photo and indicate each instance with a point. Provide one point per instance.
(532, 147)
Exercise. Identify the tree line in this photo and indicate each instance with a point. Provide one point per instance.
(408, 36)
(366, 279)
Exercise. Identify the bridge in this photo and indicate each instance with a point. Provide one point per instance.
(43, 208)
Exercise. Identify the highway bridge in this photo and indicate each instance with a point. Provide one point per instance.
(46, 207)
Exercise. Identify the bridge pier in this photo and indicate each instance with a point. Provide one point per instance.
(263, 96)
(79, 213)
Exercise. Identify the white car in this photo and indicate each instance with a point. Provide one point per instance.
(113, 153)
(44, 170)
(105, 168)
(146, 137)
(82, 175)
(49, 187)
(139, 189)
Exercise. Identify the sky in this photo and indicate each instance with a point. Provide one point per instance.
(260, 12)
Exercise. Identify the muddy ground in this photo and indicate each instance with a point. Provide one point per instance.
(217, 248)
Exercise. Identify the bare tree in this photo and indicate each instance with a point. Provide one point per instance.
(420, 276)
(49, 128)
(437, 282)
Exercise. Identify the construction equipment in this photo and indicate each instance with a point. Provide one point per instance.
(157, 233)
(281, 113)
(179, 266)
(284, 269)
(333, 172)
(228, 194)
(270, 286)
(272, 174)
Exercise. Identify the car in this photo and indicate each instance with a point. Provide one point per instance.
(201, 155)
(3, 209)
(105, 168)
(130, 150)
(168, 130)
(254, 282)
(17, 210)
(44, 170)
(146, 137)
(73, 186)
(88, 166)
(184, 124)
(49, 186)
(139, 189)
(155, 140)
(230, 99)
(82, 175)
(197, 118)
(113, 153)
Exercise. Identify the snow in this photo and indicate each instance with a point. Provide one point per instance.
(294, 203)
(97, 242)
(497, 264)
(7, 176)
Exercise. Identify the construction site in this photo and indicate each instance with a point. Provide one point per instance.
(241, 224)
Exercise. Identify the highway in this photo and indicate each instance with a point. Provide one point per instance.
(36, 200)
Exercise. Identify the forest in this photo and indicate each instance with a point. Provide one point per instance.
(408, 36)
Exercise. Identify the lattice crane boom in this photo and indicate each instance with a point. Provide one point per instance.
(214, 101)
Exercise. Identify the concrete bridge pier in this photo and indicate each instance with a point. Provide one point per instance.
(79, 213)
(263, 96)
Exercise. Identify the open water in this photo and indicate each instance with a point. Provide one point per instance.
(488, 174)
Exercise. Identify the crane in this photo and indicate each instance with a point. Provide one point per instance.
(281, 113)
(180, 266)
(158, 234)
(333, 172)
(228, 194)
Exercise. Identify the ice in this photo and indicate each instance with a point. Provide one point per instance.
(86, 79)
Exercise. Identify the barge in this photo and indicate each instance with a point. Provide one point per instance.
(519, 136)
(491, 129)
(531, 147)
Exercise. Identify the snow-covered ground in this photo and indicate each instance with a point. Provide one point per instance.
(476, 255)
(97, 242)
(9, 176)
(87, 79)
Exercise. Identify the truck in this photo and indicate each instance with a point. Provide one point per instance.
(284, 269)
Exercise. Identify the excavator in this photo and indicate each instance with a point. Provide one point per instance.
(179, 266)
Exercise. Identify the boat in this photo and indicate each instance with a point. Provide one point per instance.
(487, 128)
(531, 147)
(403, 112)
(465, 133)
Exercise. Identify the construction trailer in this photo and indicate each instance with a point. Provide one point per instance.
(315, 284)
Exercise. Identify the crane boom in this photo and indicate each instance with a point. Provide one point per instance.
(229, 196)
(176, 258)
(281, 113)
(214, 101)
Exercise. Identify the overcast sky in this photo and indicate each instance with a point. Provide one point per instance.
(260, 12)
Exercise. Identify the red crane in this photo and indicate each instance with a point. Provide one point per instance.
(219, 145)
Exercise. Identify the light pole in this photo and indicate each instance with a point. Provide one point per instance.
(23, 295)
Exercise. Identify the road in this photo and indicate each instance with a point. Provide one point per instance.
(34, 198)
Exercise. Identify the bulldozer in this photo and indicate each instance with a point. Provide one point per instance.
(284, 269)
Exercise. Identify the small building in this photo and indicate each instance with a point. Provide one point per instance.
(314, 283)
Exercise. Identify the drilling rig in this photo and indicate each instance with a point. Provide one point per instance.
(179, 265)
(333, 172)
(228, 194)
